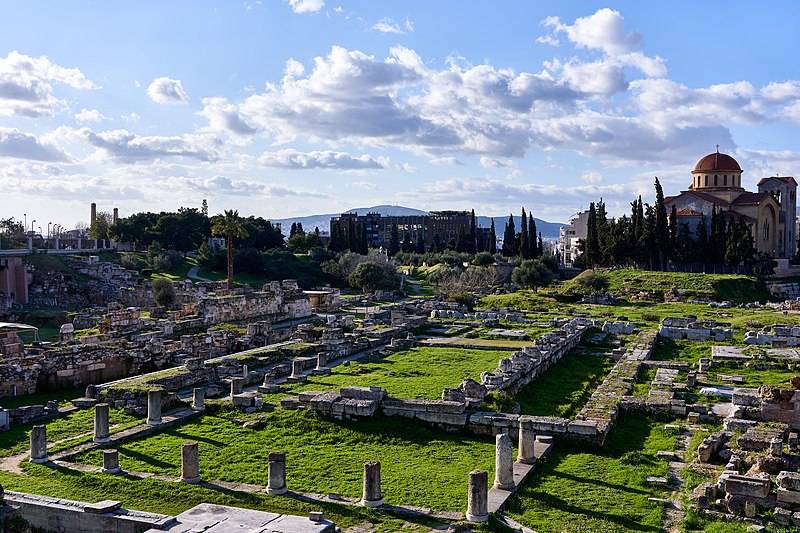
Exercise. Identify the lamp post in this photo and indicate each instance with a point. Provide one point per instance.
(48, 234)
(32, 223)
(25, 224)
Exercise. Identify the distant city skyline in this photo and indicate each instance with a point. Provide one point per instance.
(290, 108)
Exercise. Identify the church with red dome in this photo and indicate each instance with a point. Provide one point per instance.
(770, 212)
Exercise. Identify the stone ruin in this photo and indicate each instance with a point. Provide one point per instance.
(778, 336)
(688, 327)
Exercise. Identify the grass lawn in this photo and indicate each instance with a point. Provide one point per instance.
(172, 498)
(77, 427)
(566, 386)
(605, 490)
(41, 398)
(420, 373)
(420, 466)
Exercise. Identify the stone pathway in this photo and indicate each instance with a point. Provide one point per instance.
(674, 512)
(192, 274)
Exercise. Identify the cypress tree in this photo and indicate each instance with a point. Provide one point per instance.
(536, 249)
(673, 233)
(510, 238)
(592, 240)
(524, 238)
(394, 241)
(363, 245)
(540, 246)
(701, 236)
(492, 245)
(662, 228)
(473, 234)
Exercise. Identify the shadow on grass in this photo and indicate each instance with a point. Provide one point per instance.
(198, 438)
(147, 459)
(599, 483)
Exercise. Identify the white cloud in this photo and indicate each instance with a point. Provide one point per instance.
(326, 159)
(592, 176)
(224, 117)
(165, 90)
(367, 186)
(387, 25)
(445, 161)
(19, 145)
(133, 116)
(492, 162)
(24, 87)
(89, 115)
(123, 145)
(603, 30)
(306, 6)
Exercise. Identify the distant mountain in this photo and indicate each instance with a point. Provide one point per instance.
(549, 230)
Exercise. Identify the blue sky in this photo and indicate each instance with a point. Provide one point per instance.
(281, 108)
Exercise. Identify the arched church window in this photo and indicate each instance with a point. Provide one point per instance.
(766, 230)
(715, 180)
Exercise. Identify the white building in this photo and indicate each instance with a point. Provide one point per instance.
(568, 237)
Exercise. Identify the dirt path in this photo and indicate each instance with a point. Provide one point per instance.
(674, 514)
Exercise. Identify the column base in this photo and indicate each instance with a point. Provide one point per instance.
(372, 503)
(154, 422)
(504, 486)
(477, 518)
(116, 470)
(40, 460)
(278, 491)
(531, 461)
(103, 440)
(191, 480)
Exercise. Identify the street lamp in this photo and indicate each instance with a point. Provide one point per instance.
(32, 223)
(48, 234)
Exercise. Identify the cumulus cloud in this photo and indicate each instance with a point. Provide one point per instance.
(165, 90)
(224, 117)
(387, 25)
(89, 115)
(25, 90)
(306, 6)
(326, 159)
(19, 145)
(592, 176)
(123, 145)
(445, 161)
(367, 186)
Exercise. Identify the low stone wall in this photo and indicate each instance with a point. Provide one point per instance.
(678, 328)
(57, 514)
(770, 404)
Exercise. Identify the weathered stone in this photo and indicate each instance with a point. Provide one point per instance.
(789, 480)
(198, 399)
(190, 462)
(527, 442)
(276, 483)
(782, 516)
(101, 429)
(372, 496)
(153, 407)
(504, 462)
(39, 444)
(788, 496)
(477, 497)
(749, 508)
(111, 462)
(237, 385)
(754, 487)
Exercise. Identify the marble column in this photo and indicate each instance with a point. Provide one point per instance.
(153, 407)
(111, 462)
(190, 462)
(198, 399)
(277, 473)
(478, 496)
(101, 430)
(372, 485)
(527, 439)
(39, 444)
(504, 463)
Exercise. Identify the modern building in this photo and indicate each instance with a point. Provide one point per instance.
(717, 184)
(446, 225)
(568, 237)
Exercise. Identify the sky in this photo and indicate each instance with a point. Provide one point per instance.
(281, 108)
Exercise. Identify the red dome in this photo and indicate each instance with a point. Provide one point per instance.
(717, 162)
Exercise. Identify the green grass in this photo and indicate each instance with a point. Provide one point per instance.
(76, 427)
(420, 373)
(41, 398)
(603, 491)
(172, 498)
(419, 466)
(565, 388)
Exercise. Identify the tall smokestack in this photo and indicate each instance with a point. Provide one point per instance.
(93, 215)
(116, 215)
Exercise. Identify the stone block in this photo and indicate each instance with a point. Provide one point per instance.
(363, 393)
(732, 424)
(789, 480)
(445, 407)
(746, 397)
(782, 516)
(788, 496)
(754, 487)
(582, 427)
(360, 407)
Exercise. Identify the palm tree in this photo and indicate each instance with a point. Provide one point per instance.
(231, 225)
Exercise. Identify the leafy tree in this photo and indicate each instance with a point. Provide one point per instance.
(592, 243)
(250, 260)
(673, 233)
(231, 225)
(701, 238)
(164, 292)
(100, 228)
(532, 273)
(483, 259)
(369, 277)
(593, 282)
(764, 267)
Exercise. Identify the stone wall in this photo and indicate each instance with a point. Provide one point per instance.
(770, 404)
(690, 328)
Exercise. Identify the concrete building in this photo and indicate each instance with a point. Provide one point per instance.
(568, 237)
(717, 184)
(13, 281)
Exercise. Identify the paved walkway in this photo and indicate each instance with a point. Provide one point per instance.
(192, 274)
